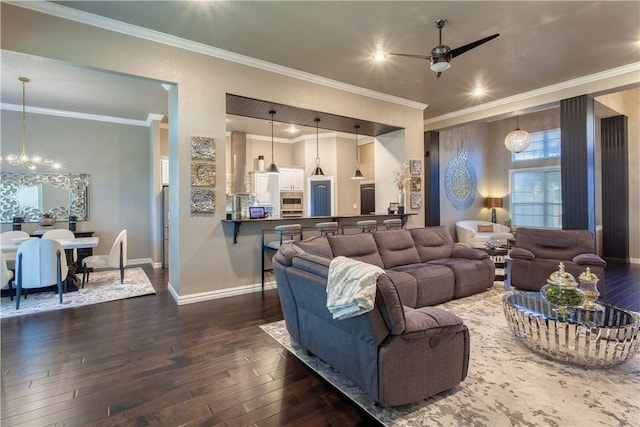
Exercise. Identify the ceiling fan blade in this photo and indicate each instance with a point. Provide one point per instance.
(462, 49)
(411, 56)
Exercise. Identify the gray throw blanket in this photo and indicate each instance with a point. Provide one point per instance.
(351, 287)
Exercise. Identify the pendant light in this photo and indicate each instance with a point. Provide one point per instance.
(273, 168)
(317, 170)
(23, 159)
(517, 140)
(357, 174)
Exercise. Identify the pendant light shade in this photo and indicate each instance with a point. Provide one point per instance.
(517, 140)
(317, 170)
(273, 168)
(31, 162)
(357, 174)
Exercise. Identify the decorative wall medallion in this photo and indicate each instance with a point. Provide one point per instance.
(203, 174)
(203, 148)
(416, 183)
(203, 201)
(416, 200)
(415, 167)
(460, 181)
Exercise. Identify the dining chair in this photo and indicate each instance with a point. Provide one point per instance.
(6, 276)
(12, 237)
(62, 234)
(117, 258)
(40, 263)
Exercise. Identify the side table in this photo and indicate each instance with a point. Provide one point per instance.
(498, 256)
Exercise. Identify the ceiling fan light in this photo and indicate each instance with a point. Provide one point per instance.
(440, 65)
(517, 140)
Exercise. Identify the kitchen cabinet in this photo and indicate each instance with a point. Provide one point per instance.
(291, 179)
(265, 188)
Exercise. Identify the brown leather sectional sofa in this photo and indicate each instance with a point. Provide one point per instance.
(404, 350)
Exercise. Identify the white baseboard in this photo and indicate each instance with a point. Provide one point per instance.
(634, 260)
(139, 261)
(219, 293)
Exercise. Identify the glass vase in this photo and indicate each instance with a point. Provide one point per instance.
(401, 197)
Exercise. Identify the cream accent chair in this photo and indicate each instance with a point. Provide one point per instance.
(62, 234)
(468, 233)
(9, 237)
(40, 263)
(117, 258)
(6, 276)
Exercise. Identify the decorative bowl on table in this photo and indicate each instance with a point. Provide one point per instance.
(562, 290)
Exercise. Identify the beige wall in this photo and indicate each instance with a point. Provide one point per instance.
(118, 161)
(628, 103)
(204, 262)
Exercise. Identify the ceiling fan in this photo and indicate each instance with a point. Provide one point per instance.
(442, 55)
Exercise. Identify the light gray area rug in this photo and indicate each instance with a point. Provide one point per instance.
(507, 384)
(103, 286)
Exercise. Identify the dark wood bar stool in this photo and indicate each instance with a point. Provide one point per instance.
(284, 232)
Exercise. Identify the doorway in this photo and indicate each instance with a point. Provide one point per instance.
(367, 198)
(320, 197)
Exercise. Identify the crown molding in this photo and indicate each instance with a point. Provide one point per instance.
(81, 116)
(201, 48)
(584, 80)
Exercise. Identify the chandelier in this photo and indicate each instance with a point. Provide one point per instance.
(23, 159)
(517, 140)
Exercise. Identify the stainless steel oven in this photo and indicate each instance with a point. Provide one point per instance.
(291, 204)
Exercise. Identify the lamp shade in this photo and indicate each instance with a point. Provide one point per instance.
(493, 202)
(517, 140)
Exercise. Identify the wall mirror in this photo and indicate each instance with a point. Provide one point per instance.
(30, 195)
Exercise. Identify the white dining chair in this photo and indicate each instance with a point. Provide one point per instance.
(6, 276)
(40, 263)
(12, 237)
(117, 258)
(62, 234)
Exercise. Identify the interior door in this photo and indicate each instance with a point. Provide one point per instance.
(321, 198)
(367, 198)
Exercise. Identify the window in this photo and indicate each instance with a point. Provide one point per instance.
(536, 197)
(544, 145)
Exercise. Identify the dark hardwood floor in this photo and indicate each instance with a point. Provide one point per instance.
(148, 362)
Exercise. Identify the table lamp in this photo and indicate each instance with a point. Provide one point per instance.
(493, 203)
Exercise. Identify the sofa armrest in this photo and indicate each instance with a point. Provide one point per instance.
(425, 321)
(521, 253)
(589, 259)
(469, 253)
(313, 264)
(390, 305)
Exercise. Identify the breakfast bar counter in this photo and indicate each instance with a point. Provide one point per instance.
(310, 221)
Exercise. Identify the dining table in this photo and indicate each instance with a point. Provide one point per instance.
(11, 248)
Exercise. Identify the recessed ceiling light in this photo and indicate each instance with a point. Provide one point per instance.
(478, 91)
(379, 56)
(292, 129)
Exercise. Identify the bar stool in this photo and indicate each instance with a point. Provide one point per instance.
(326, 228)
(367, 226)
(285, 232)
(393, 224)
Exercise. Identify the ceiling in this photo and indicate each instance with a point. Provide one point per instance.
(540, 44)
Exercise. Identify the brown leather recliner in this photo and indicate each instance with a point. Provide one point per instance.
(538, 253)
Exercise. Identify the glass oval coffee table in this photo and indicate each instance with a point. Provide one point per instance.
(599, 338)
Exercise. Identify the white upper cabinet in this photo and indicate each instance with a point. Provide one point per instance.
(265, 187)
(291, 179)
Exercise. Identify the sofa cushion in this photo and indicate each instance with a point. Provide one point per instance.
(555, 244)
(361, 247)
(406, 285)
(432, 242)
(317, 245)
(396, 247)
(434, 283)
(471, 276)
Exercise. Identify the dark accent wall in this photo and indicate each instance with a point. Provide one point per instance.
(431, 178)
(614, 149)
(578, 163)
